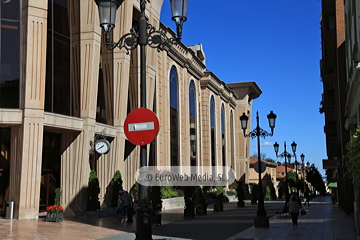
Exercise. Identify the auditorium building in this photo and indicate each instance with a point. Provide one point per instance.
(61, 90)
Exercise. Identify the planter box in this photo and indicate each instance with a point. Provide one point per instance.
(93, 205)
(189, 212)
(240, 204)
(54, 216)
(218, 208)
(173, 203)
(201, 210)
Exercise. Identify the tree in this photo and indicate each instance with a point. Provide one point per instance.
(263, 157)
(314, 177)
(352, 157)
(267, 193)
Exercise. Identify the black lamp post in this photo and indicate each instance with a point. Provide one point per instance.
(302, 157)
(261, 219)
(143, 34)
(293, 147)
(287, 156)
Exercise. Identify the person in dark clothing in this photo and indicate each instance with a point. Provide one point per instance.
(307, 198)
(129, 207)
(294, 208)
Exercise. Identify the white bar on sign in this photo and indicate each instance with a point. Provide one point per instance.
(141, 126)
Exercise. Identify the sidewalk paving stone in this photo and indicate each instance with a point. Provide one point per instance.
(324, 221)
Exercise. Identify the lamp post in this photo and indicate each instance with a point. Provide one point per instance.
(286, 155)
(296, 168)
(261, 219)
(143, 34)
(302, 157)
(307, 170)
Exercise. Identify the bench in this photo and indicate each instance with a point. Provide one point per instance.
(284, 213)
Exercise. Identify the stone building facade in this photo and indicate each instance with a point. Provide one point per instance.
(61, 89)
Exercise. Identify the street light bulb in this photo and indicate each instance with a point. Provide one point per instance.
(293, 146)
(107, 13)
(244, 120)
(276, 148)
(179, 10)
(302, 156)
(271, 117)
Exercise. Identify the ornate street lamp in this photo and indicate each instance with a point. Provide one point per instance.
(261, 219)
(287, 156)
(143, 34)
(293, 147)
(302, 157)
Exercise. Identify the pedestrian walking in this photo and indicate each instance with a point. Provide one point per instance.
(333, 197)
(307, 198)
(129, 205)
(294, 208)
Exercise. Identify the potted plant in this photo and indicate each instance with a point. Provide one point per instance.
(273, 193)
(116, 185)
(267, 193)
(156, 204)
(240, 194)
(55, 212)
(93, 203)
(254, 193)
(201, 205)
(280, 192)
(219, 207)
(189, 202)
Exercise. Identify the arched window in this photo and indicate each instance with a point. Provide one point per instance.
(223, 135)
(62, 88)
(212, 125)
(174, 118)
(232, 134)
(192, 113)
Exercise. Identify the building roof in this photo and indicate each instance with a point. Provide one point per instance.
(281, 169)
(279, 175)
(269, 164)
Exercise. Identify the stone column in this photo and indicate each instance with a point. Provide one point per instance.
(27, 139)
(90, 41)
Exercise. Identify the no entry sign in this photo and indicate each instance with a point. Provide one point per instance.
(141, 126)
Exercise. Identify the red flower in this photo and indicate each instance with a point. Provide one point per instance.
(55, 208)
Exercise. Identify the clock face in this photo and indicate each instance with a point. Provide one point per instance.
(102, 146)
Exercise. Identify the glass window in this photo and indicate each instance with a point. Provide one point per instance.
(9, 54)
(192, 120)
(62, 89)
(174, 117)
(223, 134)
(212, 125)
(232, 133)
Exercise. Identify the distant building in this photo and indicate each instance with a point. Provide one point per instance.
(268, 177)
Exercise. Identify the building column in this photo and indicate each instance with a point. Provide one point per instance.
(27, 139)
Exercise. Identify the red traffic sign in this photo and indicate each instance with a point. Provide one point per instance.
(141, 126)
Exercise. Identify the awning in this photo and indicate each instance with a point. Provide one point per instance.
(332, 185)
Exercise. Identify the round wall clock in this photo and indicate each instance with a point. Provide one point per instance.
(102, 146)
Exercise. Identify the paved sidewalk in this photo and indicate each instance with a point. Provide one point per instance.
(323, 221)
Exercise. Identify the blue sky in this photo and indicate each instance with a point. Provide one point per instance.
(277, 45)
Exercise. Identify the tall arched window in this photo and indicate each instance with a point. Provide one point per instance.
(212, 125)
(192, 113)
(232, 134)
(223, 135)
(174, 118)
